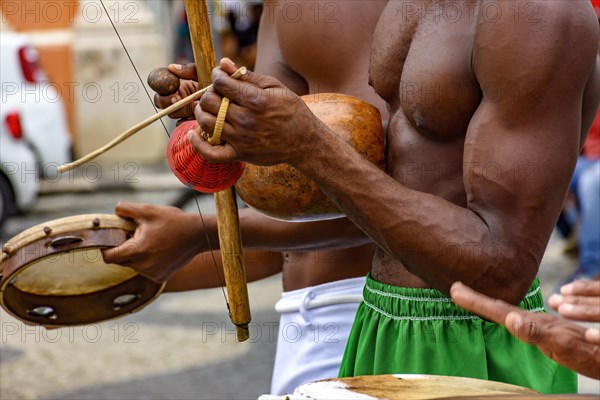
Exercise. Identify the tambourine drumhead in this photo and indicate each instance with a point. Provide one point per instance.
(54, 274)
(403, 387)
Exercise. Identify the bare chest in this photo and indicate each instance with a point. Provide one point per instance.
(421, 65)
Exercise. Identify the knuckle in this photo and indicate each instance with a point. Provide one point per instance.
(108, 257)
(146, 210)
(205, 121)
(209, 155)
(246, 121)
(566, 341)
(531, 330)
(203, 102)
(218, 82)
(258, 101)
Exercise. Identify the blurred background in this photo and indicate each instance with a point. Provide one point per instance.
(68, 87)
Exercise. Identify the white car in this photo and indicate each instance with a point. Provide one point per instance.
(26, 91)
(19, 174)
(34, 137)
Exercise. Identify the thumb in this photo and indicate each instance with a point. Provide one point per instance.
(184, 71)
(122, 254)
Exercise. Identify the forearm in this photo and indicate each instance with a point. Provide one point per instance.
(260, 231)
(205, 271)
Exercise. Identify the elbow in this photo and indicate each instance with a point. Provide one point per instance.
(508, 274)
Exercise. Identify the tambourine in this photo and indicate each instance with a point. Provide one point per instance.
(53, 274)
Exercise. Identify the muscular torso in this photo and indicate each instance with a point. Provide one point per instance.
(422, 66)
(323, 46)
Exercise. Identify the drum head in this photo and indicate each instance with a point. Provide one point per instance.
(54, 274)
(404, 387)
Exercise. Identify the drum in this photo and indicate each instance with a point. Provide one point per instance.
(404, 387)
(53, 274)
(528, 397)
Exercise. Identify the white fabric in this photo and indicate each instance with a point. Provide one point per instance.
(313, 330)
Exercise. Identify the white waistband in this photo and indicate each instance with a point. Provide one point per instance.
(326, 294)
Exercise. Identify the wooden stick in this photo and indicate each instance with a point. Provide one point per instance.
(227, 213)
(141, 125)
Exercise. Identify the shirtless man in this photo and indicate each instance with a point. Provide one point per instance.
(323, 262)
(489, 101)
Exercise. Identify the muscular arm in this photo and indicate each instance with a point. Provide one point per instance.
(496, 242)
(532, 135)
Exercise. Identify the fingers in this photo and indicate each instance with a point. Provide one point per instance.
(523, 325)
(210, 102)
(580, 312)
(184, 71)
(206, 116)
(221, 153)
(186, 88)
(127, 251)
(491, 309)
(527, 326)
(129, 210)
(579, 300)
(592, 336)
(562, 341)
(557, 300)
(582, 288)
(248, 91)
(208, 109)
(227, 65)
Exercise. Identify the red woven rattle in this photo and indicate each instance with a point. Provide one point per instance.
(193, 170)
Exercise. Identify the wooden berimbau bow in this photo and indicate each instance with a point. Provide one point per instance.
(227, 213)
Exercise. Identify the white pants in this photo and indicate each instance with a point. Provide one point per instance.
(313, 330)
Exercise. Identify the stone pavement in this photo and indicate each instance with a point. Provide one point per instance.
(179, 347)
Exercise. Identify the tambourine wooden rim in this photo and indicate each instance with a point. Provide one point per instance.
(25, 294)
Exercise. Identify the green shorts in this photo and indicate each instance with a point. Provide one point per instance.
(421, 331)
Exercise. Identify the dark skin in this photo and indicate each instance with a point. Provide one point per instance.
(312, 253)
(477, 172)
(574, 346)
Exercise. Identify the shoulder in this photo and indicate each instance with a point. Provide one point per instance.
(538, 27)
(542, 41)
(544, 15)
